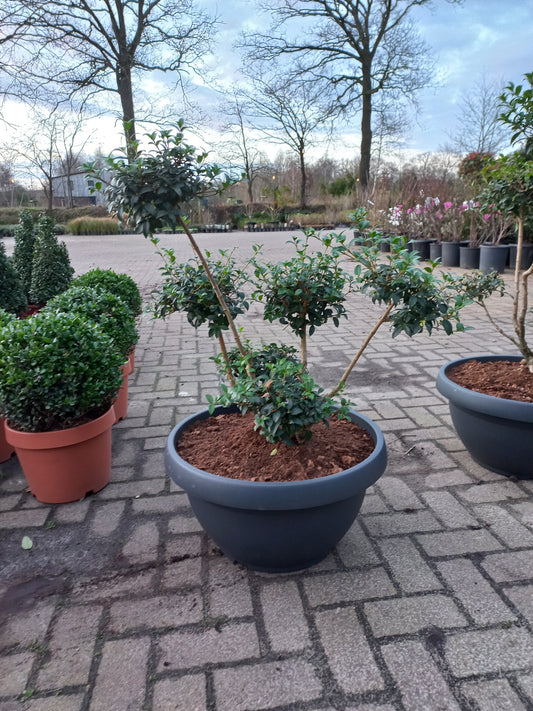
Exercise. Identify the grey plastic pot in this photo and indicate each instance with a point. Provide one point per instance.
(497, 433)
(493, 257)
(469, 257)
(421, 247)
(276, 527)
(435, 250)
(450, 254)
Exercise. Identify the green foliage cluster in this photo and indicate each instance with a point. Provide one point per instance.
(105, 309)
(12, 295)
(51, 269)
(186, 288)
(419, 298)
(5, 318)
(152, 190)
(93, 226)
(343, 185)
(121, 285)
(57, 370)
(283, 397)
(306, 291)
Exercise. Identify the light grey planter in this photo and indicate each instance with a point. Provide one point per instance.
(276, 527)
(497, 433)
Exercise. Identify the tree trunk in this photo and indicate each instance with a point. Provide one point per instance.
(366, 129)
(125, 92)
(303, 183)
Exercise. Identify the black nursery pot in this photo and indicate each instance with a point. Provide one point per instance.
(435, 250)
(469, 257)
(276, 527)
(497, 433)
(450, 254)
(493, 257)
(527, 256)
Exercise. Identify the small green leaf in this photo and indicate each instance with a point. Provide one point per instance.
(27, 543)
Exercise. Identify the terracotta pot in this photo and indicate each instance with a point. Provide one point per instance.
(64, 465)
(121, 403)
(6, 450)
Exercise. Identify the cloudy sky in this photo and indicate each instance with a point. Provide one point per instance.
(490, 39)
(478, 38)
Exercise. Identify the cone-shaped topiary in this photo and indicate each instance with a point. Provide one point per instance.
(51, 268)
(23, 250)
(102, 307)
(58, 370)
(12, 296)
(122, 285)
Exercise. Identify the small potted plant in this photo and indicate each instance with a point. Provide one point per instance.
(267, 524)
(114, 318)
(60, 376)
(496, 423)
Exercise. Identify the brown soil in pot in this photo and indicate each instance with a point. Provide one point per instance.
(510, 380)
(227, 445)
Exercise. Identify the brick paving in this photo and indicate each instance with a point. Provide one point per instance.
(124, 604)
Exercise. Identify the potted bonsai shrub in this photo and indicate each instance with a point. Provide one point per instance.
(59, 422)
(114, 318)
(496, 423)
(266, 524)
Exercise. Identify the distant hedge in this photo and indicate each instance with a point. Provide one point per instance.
(10, 215)
(93, 226)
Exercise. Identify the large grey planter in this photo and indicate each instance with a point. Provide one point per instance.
(276, 527)
(497, 433)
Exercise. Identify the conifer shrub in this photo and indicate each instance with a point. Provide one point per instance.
(51, 268)
(12, 296)
(23, 250)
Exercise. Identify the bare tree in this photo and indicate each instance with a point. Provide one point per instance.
(362, 47)
(478, 127)
(53, 145)
(240, 149)
(290, 114)
(75, 49)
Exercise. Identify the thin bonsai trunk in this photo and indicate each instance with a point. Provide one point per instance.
(521, 298)
(361, 350)
(224, 352)
(303, 348)
(215, 286)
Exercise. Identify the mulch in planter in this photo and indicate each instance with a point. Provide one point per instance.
(505, 379)
(228, 445)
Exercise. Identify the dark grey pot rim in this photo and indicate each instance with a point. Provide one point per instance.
(479, 402)
(275, 495)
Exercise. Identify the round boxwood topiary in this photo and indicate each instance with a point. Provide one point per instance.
(12, 296)
(102, 307)
(58, 371)
(122, 285)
